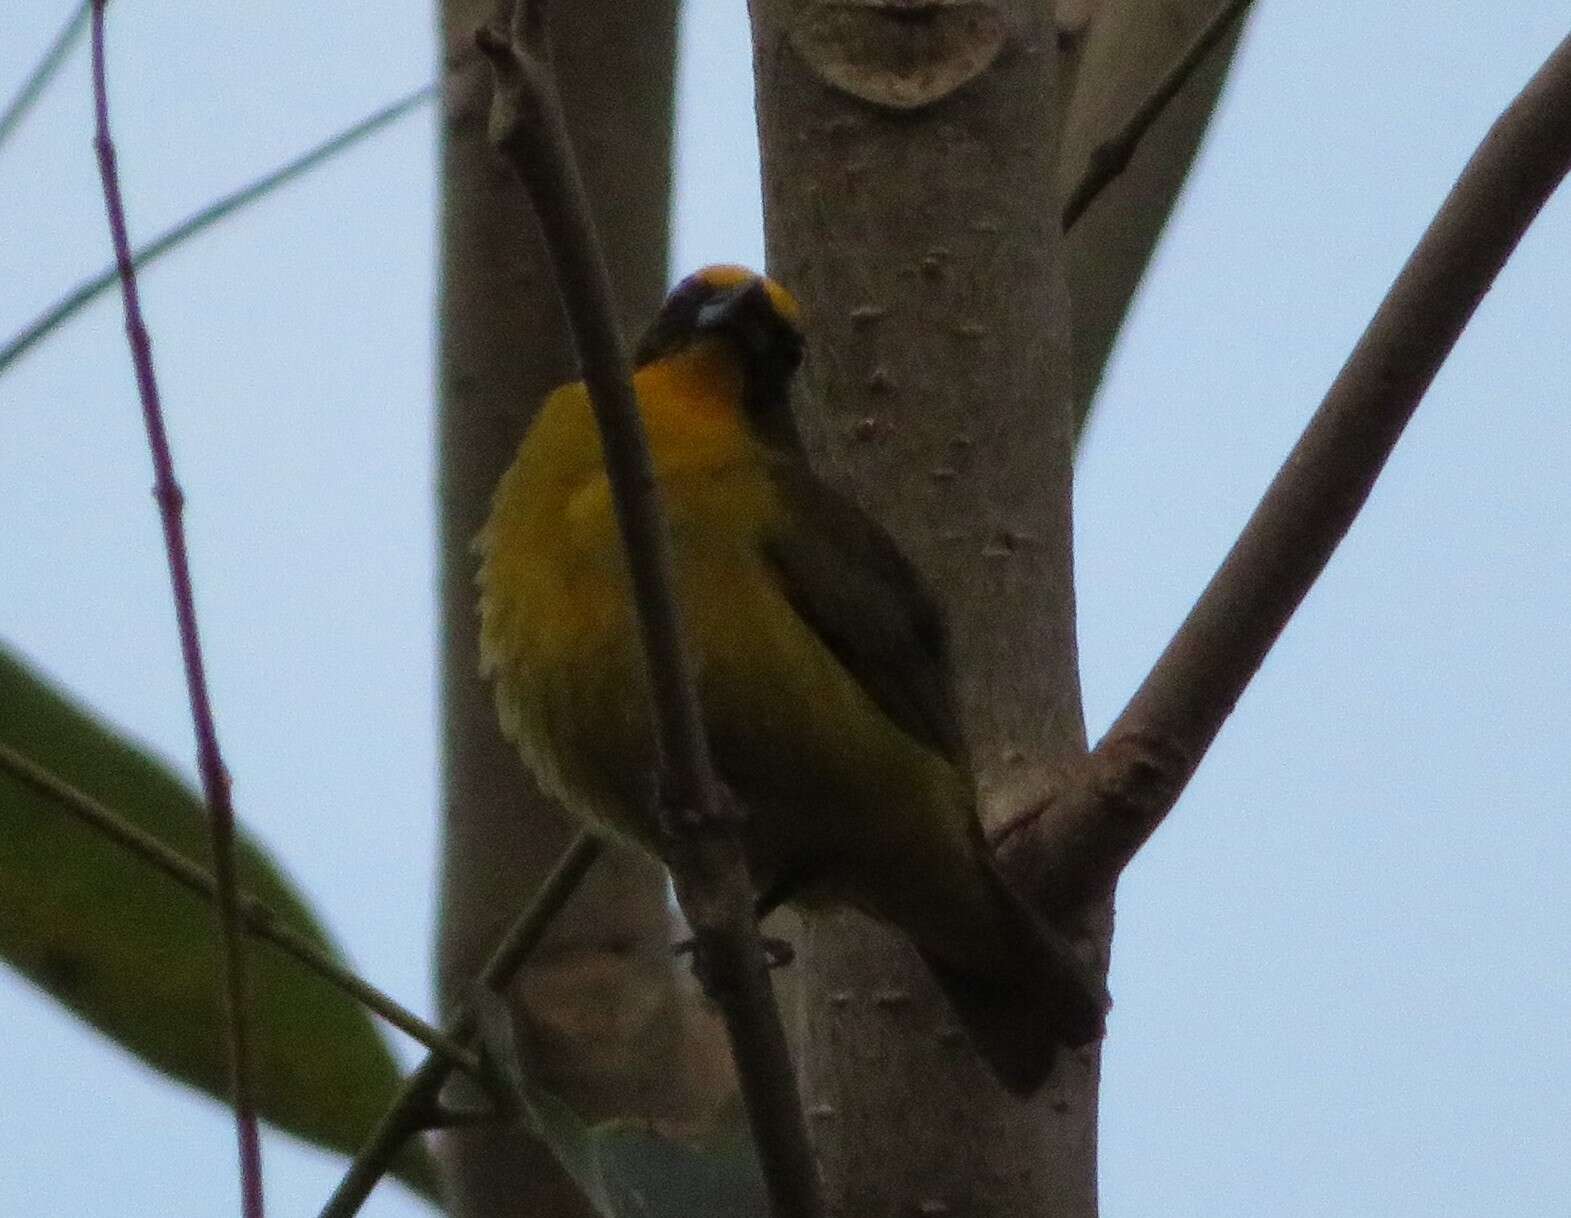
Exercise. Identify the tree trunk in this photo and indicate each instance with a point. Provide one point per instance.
(910, 198)
(606, 1020)
(912, 187)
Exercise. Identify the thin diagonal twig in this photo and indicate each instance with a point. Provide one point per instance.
(260, 920)
(210, 763)
(702, 852)
(1111, 157)
(1073, 848)
(90, 289)
(415, 1106)
(43, 72)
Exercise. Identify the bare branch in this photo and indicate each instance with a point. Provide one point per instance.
(90, 289)
(1073, 848)
(259, 919)
(1109, 158)
(416, 1107)
(43, 72)
(210, 762)
(703, 852)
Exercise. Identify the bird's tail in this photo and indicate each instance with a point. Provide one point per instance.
(1032, 994)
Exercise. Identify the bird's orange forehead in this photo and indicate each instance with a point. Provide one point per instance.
(730, 275)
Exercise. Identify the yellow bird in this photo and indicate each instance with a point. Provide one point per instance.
(819, 656)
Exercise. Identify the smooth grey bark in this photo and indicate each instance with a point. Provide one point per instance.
(913, 170)
(910, 199)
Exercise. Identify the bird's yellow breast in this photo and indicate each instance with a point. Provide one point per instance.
(825, 772)
(557, 626)
(817, 654)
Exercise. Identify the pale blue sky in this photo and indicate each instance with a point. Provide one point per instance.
(1343, 969)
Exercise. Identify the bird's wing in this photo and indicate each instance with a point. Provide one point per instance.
(847, 580)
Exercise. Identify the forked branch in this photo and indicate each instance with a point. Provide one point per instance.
(416, 1107)
(1072, 848)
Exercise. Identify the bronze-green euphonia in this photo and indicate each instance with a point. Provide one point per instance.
(818, 651)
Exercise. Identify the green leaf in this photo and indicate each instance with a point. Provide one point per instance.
(136, 955)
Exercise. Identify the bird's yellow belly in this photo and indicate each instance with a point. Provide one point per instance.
(827, 782)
